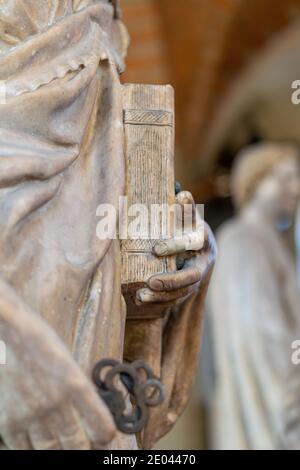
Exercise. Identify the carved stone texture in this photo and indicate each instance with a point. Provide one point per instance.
(254, 301)
(150, 180)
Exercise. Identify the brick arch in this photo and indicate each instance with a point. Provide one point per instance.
(201, 47)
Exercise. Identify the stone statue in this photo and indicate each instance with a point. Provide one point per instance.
(254, 302)
(61, 307)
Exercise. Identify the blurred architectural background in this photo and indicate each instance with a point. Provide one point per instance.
(232, 64)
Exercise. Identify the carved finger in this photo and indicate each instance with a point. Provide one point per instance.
(185, 198)
(191, 274)
(149, 296)
(192, 241)
(188, 216)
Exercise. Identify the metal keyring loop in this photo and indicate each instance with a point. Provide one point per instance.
(154, 400)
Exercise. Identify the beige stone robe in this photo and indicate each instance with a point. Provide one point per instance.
(61, 155)
(254, 302)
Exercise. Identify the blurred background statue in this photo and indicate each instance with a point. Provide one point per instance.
(254, 301)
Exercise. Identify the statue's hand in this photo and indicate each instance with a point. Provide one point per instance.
(196, 253)
(46, 401)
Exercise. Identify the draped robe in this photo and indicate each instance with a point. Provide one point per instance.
(297, 237)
